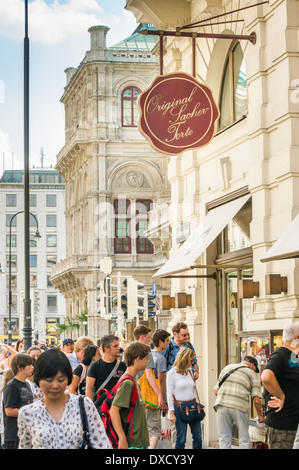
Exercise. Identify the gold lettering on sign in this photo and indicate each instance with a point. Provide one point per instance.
(177, 110)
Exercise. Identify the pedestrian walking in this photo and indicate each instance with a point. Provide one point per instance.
(76, 356)
(35, 352)
(160, 341)
(142, 334)
(180, 387)
(136, 358)
(55, 421)
(179, 340)
(16, 394)
(78, 385)
(236, 385)
(5, 377)
(106, 371)
(6, 355)
(280, 377)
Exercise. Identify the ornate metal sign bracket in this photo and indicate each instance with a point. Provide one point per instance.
(179, 33)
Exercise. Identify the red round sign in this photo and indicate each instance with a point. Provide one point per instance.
(177, 113)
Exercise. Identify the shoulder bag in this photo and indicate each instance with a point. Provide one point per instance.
(228, 374)
(190, 411)
(149, 396)
(109, 377)
(85, 444)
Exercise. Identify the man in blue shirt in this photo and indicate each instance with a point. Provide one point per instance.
(178, 341)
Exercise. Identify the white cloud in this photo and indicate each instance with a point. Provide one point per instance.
(55, 22)
(49, 24)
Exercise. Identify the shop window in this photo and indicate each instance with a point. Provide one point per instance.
(129, 107)
(234, 312)
(236, 235)
(233, 100)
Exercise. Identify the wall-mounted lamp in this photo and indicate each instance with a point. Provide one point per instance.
(248, 289)
(275, 284)
(181, 300)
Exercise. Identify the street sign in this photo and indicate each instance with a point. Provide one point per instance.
(154, 289)
(177, 113)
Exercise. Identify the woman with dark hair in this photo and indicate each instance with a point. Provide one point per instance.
(55, 421)
(78, 385)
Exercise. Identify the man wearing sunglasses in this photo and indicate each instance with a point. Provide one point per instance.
(179, 340)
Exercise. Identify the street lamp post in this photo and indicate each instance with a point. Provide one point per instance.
(27, 329)
(37, 235)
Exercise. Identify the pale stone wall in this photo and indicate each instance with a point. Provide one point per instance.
(259, 152)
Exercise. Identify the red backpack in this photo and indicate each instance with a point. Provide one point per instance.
(103, 404)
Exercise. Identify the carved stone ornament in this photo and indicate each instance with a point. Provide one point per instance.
(134, 178)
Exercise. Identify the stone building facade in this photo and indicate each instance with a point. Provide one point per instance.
(250, 166)
(112, 176)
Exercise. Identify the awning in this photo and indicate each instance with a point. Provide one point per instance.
(287, 246)
(205, 233)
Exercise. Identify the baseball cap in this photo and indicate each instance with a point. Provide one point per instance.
(68, 340)
(253, 361)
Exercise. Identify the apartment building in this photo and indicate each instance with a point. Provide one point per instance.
(47, 205)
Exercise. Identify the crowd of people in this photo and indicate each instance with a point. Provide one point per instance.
(41, 391)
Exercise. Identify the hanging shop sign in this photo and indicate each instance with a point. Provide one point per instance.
(177, 113)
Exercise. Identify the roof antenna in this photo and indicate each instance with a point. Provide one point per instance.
(42, 157)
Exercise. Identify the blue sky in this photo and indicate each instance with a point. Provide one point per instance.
(59, 38)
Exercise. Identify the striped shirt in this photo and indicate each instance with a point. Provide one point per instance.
(237, 389)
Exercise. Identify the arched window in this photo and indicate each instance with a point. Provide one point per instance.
(129, 112)
(233, 98)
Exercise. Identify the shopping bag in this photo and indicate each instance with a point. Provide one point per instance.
(166, 437)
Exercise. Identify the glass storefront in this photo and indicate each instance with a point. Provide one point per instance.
(233, 311)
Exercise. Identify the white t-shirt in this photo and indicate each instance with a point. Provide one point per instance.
(181, 386)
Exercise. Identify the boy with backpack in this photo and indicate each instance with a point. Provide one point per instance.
(136, 358)
(16, 394)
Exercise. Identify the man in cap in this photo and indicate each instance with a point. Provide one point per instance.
(236, 385)
(68, 347)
